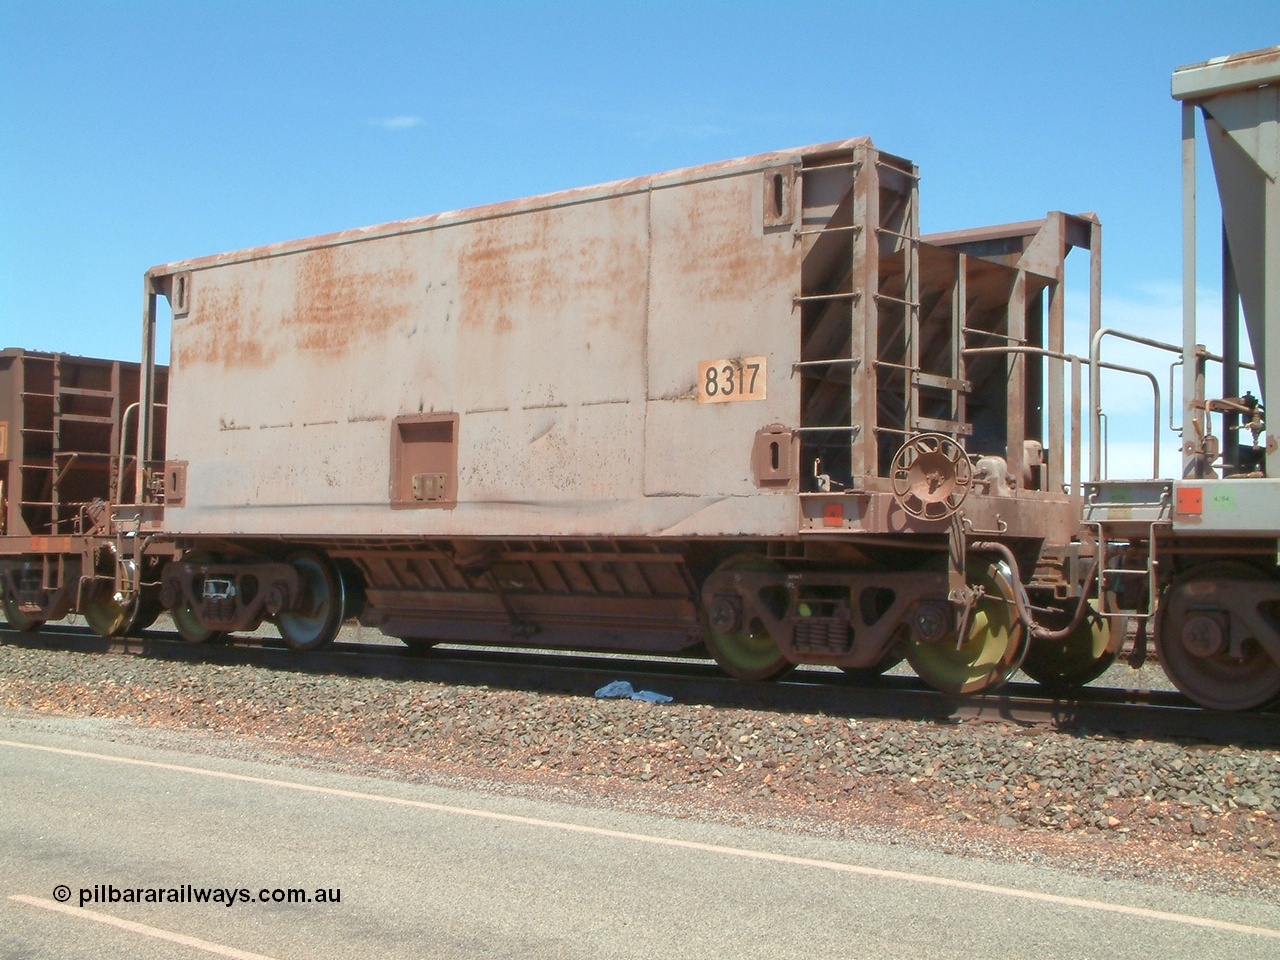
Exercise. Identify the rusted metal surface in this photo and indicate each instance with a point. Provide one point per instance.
(576, 594)
(1239, 100)
(1240, 71)
(745, 405)
(576, 338)
(65, 465)
(1193, 560)
(714, 364)
(231, 597)
(66, 454)
(564, 333)
(63, 420)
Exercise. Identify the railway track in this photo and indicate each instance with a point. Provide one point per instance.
(1109, 710)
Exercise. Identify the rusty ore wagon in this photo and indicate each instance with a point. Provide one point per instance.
(728, 405)
(743, 408)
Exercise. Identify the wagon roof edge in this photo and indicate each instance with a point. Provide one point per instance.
(507, 208)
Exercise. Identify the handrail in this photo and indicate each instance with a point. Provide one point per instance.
(118, 493)
(1095, 387)
(1095, 394)
(1095, 366)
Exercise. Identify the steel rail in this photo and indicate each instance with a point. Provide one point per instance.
(1097, 710)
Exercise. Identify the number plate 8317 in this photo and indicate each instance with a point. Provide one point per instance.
(723, 381)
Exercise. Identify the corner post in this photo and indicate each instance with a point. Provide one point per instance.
(1190, 361)
(146, 388)
(1095, 372)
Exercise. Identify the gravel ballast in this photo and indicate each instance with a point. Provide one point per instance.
(1163, 811)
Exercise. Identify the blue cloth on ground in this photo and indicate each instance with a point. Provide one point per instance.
(621, 688)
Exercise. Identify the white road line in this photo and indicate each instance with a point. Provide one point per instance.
(141, 928)
(1077, 902)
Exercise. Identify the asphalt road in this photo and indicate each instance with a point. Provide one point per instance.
(423, 871)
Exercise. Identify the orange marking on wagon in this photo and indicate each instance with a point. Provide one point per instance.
(1190, 500)
(833, 514)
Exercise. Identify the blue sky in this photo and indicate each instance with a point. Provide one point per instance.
(143, 132)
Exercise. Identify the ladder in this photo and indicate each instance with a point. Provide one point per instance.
(869, 380)
(70, 428)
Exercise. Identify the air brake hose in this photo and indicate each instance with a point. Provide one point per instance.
(1021, 602)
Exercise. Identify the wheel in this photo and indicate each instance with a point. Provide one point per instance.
(747, 652)
(1085, 654)
(1195, 644)
(149, 610)
(107, 616)
(988, 655)
(315, 624)
(189, 627)
(18, 620)
(185, 618)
